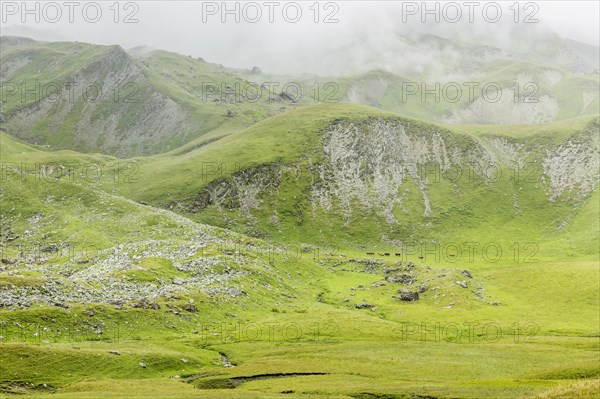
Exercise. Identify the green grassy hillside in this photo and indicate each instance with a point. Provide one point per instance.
(478, 184)
(287, 249)
(100, 98)
(294, 331)
(93, 98)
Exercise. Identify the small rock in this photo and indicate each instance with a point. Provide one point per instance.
(422, 288)
(145, 304)
(462, 284)
(406, 279)
(466, 273)
(408, 296)
(226, 362)
(113, 352)
(190, 307)
(143, 365)
(50, 248)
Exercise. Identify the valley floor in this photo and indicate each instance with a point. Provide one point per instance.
(319, 345)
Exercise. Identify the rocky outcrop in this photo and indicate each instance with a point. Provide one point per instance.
(372, 165)
(572, 168)
(367, 163)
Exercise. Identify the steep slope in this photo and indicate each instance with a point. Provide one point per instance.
(89, 98)
(102, 99)
(99, 98)
(352, 174)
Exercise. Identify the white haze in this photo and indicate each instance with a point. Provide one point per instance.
(368, 35)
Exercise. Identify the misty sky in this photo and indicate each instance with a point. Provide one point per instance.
(178, 26)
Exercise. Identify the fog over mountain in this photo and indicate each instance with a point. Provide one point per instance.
(360, 35)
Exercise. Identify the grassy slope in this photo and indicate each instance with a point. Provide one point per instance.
(178, 77)
(181, 79)
(294, 138)
(555, 301)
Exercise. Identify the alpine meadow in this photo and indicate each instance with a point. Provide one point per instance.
(310, 200)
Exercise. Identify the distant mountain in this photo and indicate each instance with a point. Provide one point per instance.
(100, 98)
(95, 98)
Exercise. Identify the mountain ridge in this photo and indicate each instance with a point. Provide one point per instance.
(155, 102)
